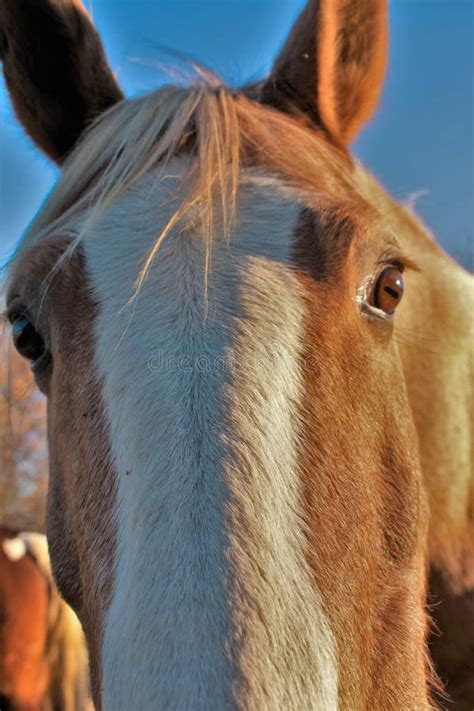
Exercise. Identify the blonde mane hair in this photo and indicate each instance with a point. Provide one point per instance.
(217, 131)
(66, 651)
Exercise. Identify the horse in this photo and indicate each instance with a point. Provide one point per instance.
(43, 658)
(24, 597)
(256, 365)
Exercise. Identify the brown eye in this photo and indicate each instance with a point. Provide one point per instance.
(388, 290)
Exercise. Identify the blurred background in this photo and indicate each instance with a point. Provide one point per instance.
(419, 144)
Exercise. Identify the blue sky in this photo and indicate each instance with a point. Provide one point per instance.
(420, 141)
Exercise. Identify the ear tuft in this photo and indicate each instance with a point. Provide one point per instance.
(332, 66)
(55, 70)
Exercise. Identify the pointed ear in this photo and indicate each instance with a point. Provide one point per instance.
(55, 70)
(332, 66)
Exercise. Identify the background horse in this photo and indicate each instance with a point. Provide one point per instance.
(24, 600)
(43, 659)
(245, 427)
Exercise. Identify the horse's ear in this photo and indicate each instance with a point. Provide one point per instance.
(332, 66)
(55, 70)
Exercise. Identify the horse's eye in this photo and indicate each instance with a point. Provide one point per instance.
(388, 290)
(27, 340)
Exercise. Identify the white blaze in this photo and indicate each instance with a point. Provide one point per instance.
(214, 605)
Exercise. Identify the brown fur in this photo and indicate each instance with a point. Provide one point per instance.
(24, 603)
(374, 596)
(66, 653)
(43, 657)
(451, 643)
(81, 493)
(55, 70)
(80, 530)
(363, 491)
(331, 68)
(434, 331)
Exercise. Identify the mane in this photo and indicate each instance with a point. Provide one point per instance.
(217, 131)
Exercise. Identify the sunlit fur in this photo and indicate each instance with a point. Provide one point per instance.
(227, 131)
(43, 651)
(66, 652)
(217, 136)
(435, 331)
(123, 176)
(208, 525)
(309, 468)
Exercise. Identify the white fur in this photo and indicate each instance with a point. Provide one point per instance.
(214, 606)
(14, 548)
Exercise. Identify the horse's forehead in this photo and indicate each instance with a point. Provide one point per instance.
(267, 209)
(266, 228)
(273, 220)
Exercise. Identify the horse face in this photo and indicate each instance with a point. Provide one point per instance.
(211, 450)
(235, 507)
